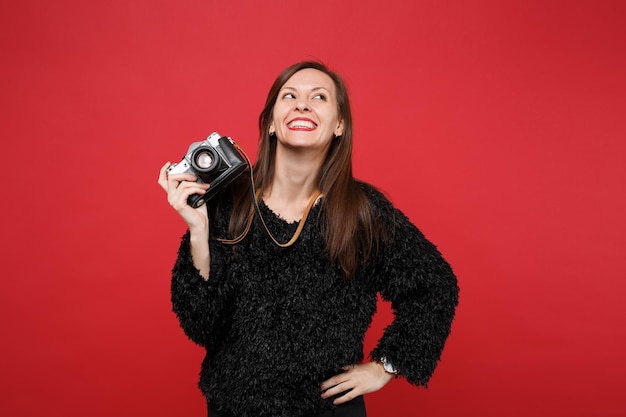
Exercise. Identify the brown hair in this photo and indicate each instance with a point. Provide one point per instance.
(348, 222)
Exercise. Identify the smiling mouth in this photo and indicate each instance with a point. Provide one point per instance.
(301, 124)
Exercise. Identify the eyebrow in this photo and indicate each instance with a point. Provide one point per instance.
(313, 89)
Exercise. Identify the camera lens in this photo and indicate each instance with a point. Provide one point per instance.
(204, 160)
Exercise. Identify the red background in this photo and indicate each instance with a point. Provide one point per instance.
(498, 127)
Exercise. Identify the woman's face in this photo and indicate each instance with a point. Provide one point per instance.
(305, 113)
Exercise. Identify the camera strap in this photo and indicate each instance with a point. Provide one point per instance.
(256, 197)
(256, 209)
(296, 234)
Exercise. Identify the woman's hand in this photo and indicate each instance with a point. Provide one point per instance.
(178, 188)
(357, 380)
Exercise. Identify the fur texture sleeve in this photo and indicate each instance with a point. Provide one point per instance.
(422, 288)
(190, 295)
(197, 302)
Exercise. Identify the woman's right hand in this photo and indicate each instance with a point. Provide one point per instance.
(178, 188)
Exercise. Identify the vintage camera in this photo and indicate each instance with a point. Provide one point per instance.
(214, 161)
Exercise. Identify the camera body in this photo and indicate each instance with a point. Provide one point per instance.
(213, 161)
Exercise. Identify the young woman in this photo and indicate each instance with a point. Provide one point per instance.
(281, 296)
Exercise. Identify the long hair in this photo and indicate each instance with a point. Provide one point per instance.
(349, 225)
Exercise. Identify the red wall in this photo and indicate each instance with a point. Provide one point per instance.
(498, 127)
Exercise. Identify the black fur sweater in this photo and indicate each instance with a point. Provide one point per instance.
(276, 322)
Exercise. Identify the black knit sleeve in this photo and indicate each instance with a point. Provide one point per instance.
(199, 303)
(190, 299)
(422, 288)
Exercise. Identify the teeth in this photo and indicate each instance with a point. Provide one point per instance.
(301, 124)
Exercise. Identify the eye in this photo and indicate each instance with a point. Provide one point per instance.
(289, 95)
(320, 97)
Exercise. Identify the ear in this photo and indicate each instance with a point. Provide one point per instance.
(339, 129)
(271, 130)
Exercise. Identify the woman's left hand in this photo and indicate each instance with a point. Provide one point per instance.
(356, 380)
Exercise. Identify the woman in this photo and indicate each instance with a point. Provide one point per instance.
(283, 323)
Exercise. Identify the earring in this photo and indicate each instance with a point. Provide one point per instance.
(271, 131)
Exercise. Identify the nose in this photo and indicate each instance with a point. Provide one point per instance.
(302, 105)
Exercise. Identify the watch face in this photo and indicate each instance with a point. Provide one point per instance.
(388, 366)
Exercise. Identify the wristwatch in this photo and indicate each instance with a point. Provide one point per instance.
(388, 366)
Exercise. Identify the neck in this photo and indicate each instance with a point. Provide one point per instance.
(295, 175)
(293, 186)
